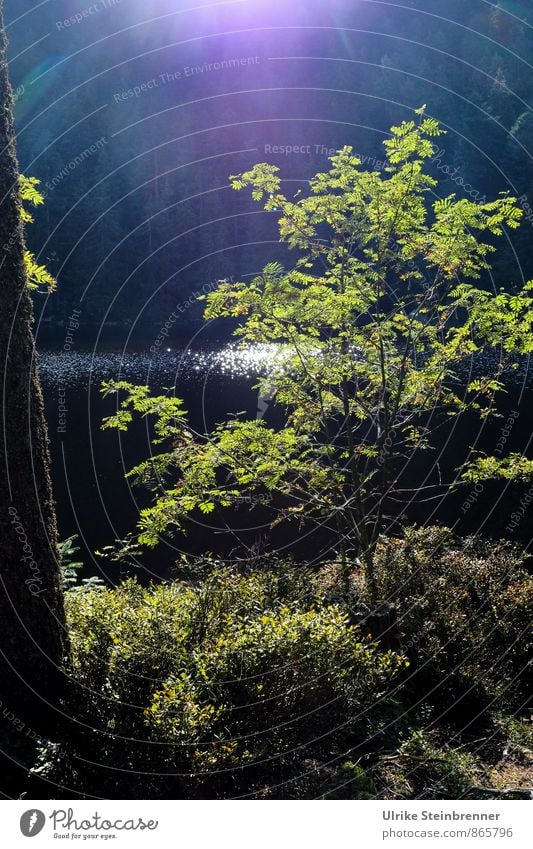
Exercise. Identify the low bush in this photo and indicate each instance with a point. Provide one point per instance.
(426, 767)
(464, 609)
(268, 683)
(226, 687)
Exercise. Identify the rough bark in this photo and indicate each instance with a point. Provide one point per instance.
(33, 639)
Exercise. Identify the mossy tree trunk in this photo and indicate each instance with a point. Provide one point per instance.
(33, 641)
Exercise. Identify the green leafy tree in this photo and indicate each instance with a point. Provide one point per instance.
(373, 323)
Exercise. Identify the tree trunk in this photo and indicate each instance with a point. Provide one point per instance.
(33, 640)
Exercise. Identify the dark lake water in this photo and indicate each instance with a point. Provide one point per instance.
(95, 502)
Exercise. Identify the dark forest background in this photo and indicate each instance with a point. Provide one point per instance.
(138, 211)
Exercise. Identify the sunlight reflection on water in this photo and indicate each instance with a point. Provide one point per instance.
(231, 361)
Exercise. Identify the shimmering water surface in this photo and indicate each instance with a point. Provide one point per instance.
(96, 502)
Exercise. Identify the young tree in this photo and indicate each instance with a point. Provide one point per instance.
(33, 643)
(373, 323)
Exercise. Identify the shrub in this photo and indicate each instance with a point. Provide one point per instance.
(465, 608)
(425, 767)
(229, 686)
